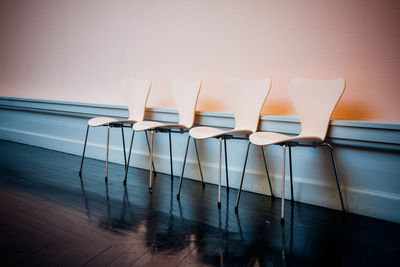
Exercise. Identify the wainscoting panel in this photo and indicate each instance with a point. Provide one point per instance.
(367, 153)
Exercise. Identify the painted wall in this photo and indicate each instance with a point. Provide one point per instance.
(78, 50)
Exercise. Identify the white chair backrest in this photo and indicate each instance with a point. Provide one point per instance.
(246, 99)
(136, 93)
(186, 94)
(315, 101)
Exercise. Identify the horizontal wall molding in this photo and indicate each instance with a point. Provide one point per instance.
(367, 153)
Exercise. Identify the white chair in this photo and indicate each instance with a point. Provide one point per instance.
(136, 93)
(314, 101)
(185, 94)
(246, 99)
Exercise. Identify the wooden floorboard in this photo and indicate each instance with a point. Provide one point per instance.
(49, 216)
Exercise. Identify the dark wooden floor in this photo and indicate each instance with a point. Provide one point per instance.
(49, 216)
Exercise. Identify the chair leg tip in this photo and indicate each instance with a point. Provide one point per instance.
(106, 179)
(236, 209)
(150, 190)
(219, 205)
(282, 220)
(124, 182)
(80, 174)
(178, 196)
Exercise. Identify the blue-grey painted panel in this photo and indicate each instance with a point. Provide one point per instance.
(367, 157)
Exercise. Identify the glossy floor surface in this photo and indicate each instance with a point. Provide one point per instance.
(49, 216)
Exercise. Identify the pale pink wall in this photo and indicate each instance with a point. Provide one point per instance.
(78, 50)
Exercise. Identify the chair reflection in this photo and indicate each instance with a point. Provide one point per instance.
(200, 232)
(85, 198)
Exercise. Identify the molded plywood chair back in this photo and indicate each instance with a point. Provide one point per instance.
(186, 94)
(315, 101)
(246, 99)
(136, 93)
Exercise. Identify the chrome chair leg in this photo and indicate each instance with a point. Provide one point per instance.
(170, 155)
(226, 167)
(241, 180)
(123, 143)
(108, 145)
(219, 173)
(84, 149)
(290, 171)
(336, 174)
(183, 169)
(266, 169)
(151, 162)
(283, 185)
(129, 158)
(148, 146)
(198, 161)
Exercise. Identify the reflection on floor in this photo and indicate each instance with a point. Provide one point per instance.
(49, 216)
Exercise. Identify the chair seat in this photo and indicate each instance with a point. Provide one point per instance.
(149, 125)
(125, 121)
(204, 132)
(101, 121)
(270, 138)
